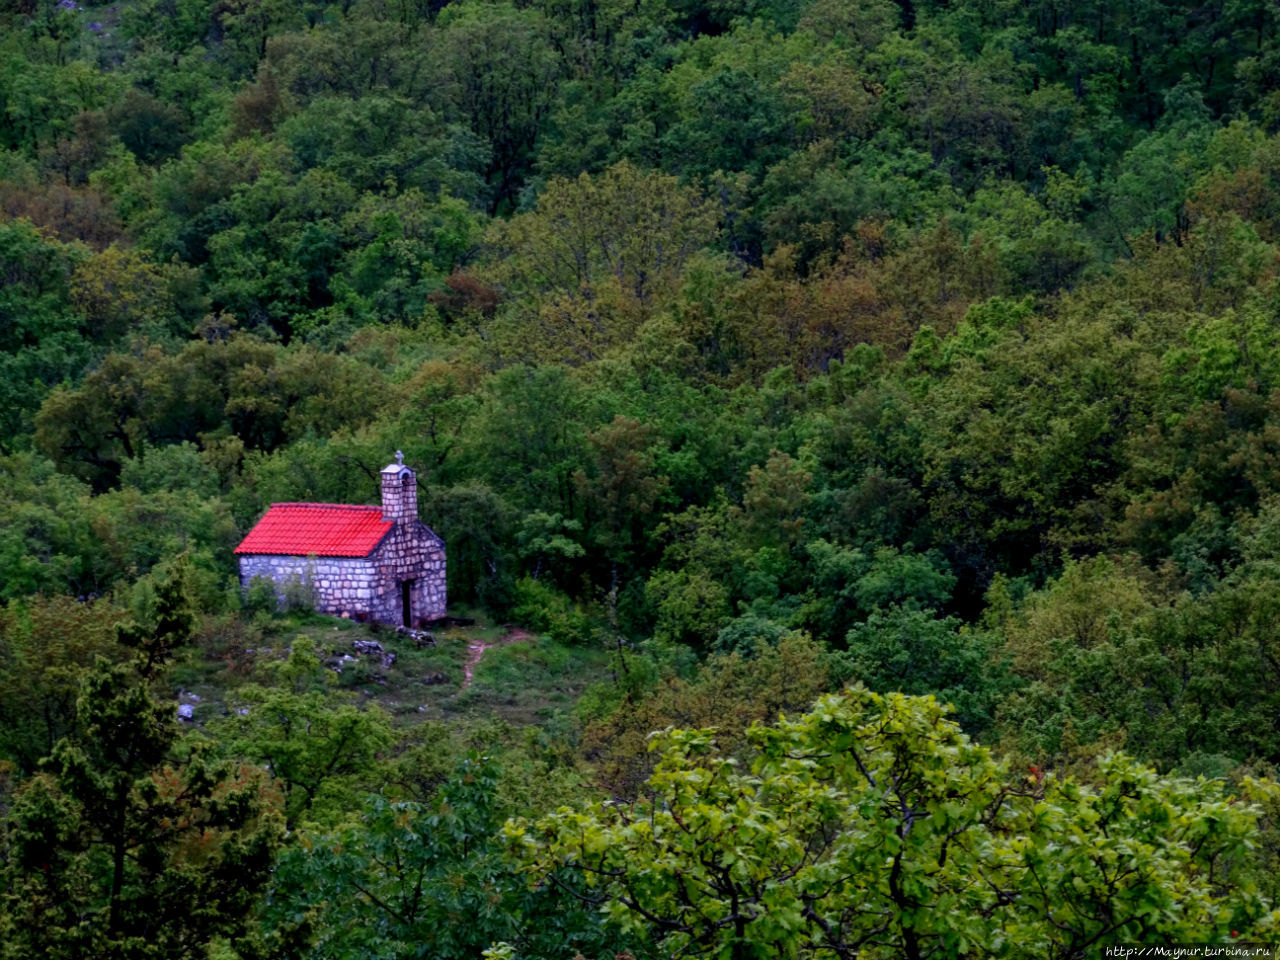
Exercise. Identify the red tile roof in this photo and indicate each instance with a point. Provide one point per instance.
(325, 529)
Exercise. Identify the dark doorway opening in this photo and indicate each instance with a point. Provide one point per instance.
(406, 601)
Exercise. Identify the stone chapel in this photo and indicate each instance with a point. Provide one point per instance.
(365, 562)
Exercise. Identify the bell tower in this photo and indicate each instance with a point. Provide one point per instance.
(399, 492)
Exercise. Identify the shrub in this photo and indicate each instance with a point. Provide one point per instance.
(541, 607)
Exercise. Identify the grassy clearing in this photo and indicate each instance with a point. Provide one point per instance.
(533, 679)
(518, 677)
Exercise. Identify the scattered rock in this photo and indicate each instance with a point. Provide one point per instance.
(336, 663)
(435, 679)
(388, 659)
(186, 712)
(367, 646)
(422, 638)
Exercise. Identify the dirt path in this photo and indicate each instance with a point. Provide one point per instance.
(477, 649)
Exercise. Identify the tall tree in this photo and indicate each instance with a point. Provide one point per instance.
(130, 843)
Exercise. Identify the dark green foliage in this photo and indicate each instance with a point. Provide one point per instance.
(748, 346)
(129, 843)
(45, 644)
(913, 652)
(414, 877)
(118, 851)
(317, 745)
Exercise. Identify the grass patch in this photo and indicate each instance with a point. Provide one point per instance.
(531, 680)
(519, 678)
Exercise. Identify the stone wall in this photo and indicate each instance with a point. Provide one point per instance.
(366, 586)
(341, 585)
(399, 494)
(410, 552)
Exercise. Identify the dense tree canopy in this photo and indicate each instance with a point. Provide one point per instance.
(747, 351)
(873, 827)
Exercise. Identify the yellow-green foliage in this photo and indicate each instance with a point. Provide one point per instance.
(872, 825)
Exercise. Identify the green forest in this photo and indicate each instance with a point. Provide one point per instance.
(854, 424)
